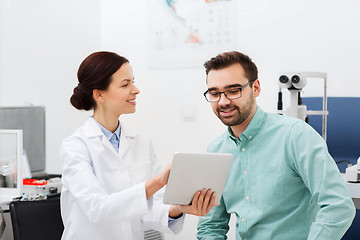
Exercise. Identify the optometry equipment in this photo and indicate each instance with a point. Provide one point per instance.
(352, 173)
(295, 82)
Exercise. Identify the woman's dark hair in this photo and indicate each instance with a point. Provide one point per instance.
(227, 59)
(95, 73)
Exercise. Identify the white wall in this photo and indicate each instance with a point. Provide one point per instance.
(42, 44)
(279, 35)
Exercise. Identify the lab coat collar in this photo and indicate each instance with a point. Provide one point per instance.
(92, 129)
(109, 134)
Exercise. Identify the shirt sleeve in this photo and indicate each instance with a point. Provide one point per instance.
(319, 172)
(171, 220)
(215, 224)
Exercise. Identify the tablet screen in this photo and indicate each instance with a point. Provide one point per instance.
(191, 172)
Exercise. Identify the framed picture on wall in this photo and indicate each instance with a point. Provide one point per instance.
(184, 33)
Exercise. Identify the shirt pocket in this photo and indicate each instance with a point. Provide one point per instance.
(271, 187)
(140, 172)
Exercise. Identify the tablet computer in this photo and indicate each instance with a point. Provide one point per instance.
(191, 172)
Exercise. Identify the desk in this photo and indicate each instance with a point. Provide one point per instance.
(4, 204)
(354, 189)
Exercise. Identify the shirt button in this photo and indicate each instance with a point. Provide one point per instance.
(247, 198)
(245, 172)
(243, 219)
(243, 149)
(250, 137)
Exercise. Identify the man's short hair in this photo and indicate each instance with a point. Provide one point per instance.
(227, 59)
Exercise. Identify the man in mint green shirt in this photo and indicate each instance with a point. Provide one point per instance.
(283, 184)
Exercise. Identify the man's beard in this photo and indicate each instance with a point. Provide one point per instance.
(239, 116)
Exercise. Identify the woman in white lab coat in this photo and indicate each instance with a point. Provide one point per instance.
(110, 175)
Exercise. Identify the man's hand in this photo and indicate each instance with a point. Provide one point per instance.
(201, 204)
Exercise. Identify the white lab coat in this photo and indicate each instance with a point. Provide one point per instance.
(103, 194)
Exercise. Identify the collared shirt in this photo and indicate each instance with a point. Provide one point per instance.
(283, 184)
(114, 138)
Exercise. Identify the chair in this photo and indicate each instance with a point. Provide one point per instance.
(343, 137)
(353, 232)
(40, 220)
(153, 235)
(343, 127)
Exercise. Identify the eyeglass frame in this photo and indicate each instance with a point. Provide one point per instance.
(223, 92)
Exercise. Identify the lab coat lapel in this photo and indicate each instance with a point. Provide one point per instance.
(108, 145)
(126, 138)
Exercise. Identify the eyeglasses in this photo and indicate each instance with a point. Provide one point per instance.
(231, 94)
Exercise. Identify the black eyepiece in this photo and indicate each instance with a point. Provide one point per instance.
(295, 79)
(283, 79)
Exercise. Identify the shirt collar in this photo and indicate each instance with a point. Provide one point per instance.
(253, 127)
(107, 133)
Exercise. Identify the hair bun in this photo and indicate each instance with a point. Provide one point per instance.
(78, 100)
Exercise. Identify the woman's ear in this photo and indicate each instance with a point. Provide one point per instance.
(98, 95)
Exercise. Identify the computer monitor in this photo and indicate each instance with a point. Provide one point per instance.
(11, 149)
(30, 119)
